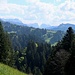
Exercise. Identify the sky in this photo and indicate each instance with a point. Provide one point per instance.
(51, 12)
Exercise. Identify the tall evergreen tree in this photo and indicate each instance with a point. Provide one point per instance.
(4, 47)
(67, 40)
(70, 65)
(60, 55)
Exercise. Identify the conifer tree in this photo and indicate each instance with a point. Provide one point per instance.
(67, 40)
(5, 49)
(70, 65)
(58, 61)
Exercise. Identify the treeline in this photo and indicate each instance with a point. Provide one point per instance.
(62, 58)
(40, 58)
(31, 59)
(6, 51)
(20, 35)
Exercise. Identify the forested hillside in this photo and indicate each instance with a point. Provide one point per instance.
(29, 50)
(29, 60)
(33, 58)
(37, 37)
(21, 35)
(62, 58)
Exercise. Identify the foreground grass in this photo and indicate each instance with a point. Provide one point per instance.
(6, 70)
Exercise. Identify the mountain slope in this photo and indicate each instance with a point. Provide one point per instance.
(21, 35)
(64, 27)
(14, 21)
(35, 25)
(6, 70)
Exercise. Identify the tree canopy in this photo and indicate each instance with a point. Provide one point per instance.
(5, 47)
(62, 59)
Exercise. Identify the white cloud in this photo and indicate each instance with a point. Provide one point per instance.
(32, 1)
(65, 12)
(12, 9)
(40, 12)
(3, 1)
(43, 12)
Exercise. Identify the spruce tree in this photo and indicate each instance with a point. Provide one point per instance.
(5, 49)
(58, 61)
(70, 65)
(67, 40)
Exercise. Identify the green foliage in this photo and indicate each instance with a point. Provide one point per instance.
(6, 70)
(5, 47)
(62, 58)
(73, 47)
(31, 52)
(33, 58)
(3, 44)
(70, 64)
(67, 40)
(56, 37)
(21, 35)
(37, 56)
(37, 71)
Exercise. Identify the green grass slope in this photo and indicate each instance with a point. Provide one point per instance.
(6, 70)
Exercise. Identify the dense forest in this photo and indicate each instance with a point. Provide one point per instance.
(20, 35)
(62, 58)
(32, 54)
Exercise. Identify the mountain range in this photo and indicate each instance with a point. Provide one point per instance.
(62, 27)
(21, 35)
(14, 21)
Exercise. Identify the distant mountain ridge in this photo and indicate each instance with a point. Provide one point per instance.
(20, 35)
(14, 21)
(35, 25)
(64, 27)
(45, 26)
